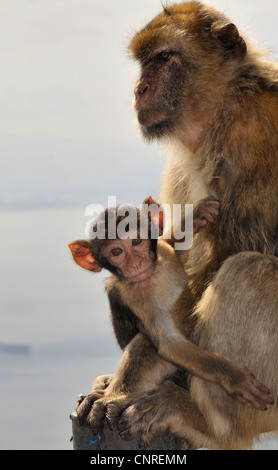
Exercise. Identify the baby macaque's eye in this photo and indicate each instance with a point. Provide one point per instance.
(116, 251)
(136, 241)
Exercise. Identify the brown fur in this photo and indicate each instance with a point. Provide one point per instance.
(162, 344)
(254, 305)
(206, 415)
(214, 102)
(234, 150)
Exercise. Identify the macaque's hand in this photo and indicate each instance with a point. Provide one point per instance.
(242, 385)
(207, 212)
(86, 403)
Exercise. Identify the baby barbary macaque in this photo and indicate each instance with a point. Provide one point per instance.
(146, 290)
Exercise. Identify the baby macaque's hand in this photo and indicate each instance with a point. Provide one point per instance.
(207, 212)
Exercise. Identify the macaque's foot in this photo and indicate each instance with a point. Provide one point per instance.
(85, 407)
(86, 403)
(115, 407)
(147, 418)
(96, 409)
(143, 420)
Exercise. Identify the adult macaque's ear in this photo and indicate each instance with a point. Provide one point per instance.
(233, 44)
(156, 213)
(82, 255)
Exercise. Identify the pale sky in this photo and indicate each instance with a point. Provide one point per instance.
(65, 74)
(69, 138)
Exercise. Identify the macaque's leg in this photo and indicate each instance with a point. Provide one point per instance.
(243, 327)
(169, 408)
(214, 367)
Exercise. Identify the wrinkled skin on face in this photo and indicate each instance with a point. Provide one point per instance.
(185, 71)
(132, 257)
(158, 106)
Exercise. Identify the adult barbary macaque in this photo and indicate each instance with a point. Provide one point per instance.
(148, 285)
(215, 102)
(213, 99)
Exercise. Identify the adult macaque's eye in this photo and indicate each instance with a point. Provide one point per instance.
(165, 55)
(136, 241)
(116, 251)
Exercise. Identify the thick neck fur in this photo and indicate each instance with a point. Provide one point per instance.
(193, 169)
(237, 163)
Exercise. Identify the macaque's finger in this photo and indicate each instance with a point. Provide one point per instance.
(259, 395)
(207, 212)
(127, 434)
(211, 212)
(145, 439)
(255, 394)
(101, 382)
(249, 400)
(262, 388)
(130, 422)
(214, 211)
(141, 425)
(207, 216)
(200, 222)
(85, 406)
(114, 410)
(97, 415)
(214, 202)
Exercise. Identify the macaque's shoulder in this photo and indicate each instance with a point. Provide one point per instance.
(111, 284)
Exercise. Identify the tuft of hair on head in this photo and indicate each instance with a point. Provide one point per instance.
(166, 10)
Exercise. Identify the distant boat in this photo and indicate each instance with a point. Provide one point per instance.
(14, 348)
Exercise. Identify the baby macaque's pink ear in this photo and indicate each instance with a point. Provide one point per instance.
(156, 213)
(82, 255)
